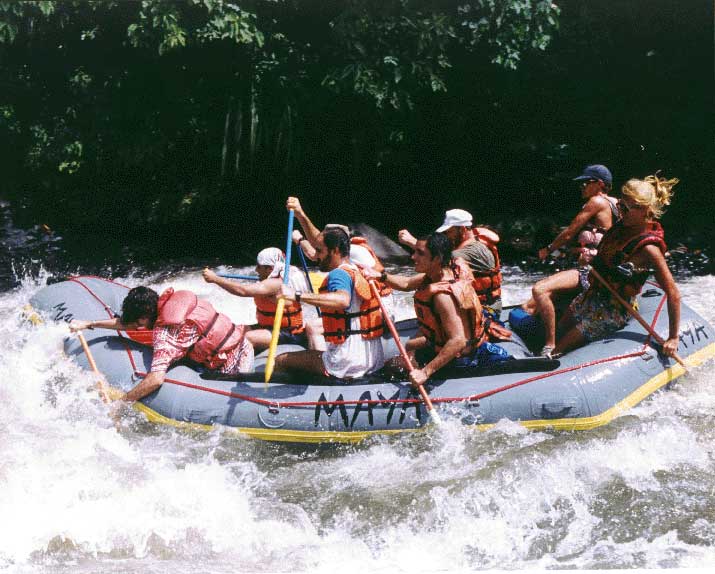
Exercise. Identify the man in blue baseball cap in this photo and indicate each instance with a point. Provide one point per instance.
(596, 172)
(597, 215)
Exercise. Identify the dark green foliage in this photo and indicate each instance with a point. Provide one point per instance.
(201, 116)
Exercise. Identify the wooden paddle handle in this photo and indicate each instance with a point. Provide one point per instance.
(403, 352)
(104, 392)
(635, 314)
(88, 353)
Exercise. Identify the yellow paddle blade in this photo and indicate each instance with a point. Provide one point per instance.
(271, 362)
(316, 280)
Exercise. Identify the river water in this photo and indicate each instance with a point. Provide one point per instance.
(80, 492)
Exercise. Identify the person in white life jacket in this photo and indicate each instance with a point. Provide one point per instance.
(628, 252)
(598, 214)
(270, 266)
(350, 316)
(182, 325)
(449, 313)
(478, 247)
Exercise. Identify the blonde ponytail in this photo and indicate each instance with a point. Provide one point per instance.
(652, 191)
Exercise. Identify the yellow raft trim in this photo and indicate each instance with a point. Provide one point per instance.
(346, 437)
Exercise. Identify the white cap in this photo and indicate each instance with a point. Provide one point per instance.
(455, 218)
(274, 257)
(361, 256)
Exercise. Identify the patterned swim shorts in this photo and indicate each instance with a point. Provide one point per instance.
(583, 273)
(597, 314)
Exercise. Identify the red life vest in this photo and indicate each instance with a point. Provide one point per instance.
(617, 247)
(487, 284)
(336, 323)
(217, 332)
(465, 298)
(382, 288)
(292, 319)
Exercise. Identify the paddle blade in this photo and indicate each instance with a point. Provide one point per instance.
(270, 363)
(433, 414)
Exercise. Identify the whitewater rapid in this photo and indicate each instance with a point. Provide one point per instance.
(87, 487)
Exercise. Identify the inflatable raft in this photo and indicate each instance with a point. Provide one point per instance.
(584, 389)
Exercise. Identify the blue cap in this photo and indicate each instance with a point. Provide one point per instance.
(596, 171)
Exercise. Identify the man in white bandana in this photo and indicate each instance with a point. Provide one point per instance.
(270, 267)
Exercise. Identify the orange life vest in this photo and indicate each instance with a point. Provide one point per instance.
(382, 288)
(465, 297)
(336, 323)
(617, 247)
(217, 332)
(488, 283)
(292, 319)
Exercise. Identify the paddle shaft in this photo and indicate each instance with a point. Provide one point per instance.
(234, 276)
(635, 314)
(271, 360)
(305, 271)
(92, 365)
(403, 352)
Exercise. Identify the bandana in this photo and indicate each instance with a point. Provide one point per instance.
(274, 257)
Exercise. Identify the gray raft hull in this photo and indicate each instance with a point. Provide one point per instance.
(584, 389)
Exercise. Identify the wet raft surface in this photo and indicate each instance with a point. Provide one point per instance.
(584, 389)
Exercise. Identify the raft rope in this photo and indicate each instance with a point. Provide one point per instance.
(294, 404)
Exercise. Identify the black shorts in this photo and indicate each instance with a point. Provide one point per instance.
(288, 338)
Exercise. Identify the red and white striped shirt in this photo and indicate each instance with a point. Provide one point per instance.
(172, 343)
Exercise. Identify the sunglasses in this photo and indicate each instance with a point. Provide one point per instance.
(585, 182)
(625, 208)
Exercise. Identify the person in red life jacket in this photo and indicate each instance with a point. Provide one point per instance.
(350, 315)
(628, 252)
(598, 215)
(478, 247)
(182, 326)
(270, 268)
(449, 314)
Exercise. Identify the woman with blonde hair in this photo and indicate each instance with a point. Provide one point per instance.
(633, 247)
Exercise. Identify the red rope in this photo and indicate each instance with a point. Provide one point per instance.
(293, 404)
(108, 309)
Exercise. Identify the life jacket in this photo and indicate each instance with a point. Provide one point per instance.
(292, 319)
(382, 288)
(618, 246)
(337, 323)
(217, 332)
(465, 297)
(488, 283)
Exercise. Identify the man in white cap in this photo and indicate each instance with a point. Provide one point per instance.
(270, 268)
(480, 254)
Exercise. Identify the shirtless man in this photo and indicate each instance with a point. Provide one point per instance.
(598, 214)
(479, 252)
(449, 314)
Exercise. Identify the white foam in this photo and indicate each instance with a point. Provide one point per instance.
(79, 492)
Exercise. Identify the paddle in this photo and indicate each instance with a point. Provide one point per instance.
(271, 361)
(304, 265)
(234, 276)
(434, 415)
(101, 385)
(635, 314)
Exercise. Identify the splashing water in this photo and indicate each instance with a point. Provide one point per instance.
(85, 487)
